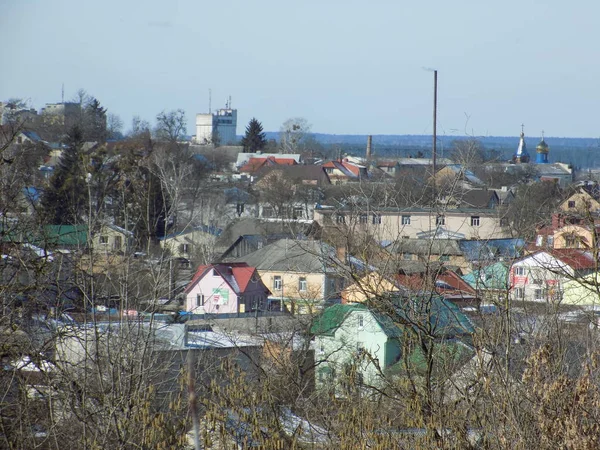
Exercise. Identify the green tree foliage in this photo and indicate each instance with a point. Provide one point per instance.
(94, 121)
(254, 139)
(66, 198)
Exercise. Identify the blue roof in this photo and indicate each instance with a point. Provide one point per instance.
(32, 194)
(491, 249)
(32, 135)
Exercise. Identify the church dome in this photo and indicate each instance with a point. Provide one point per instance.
(542, 147)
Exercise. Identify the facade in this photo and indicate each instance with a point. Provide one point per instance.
(231, 288)
(580, 203)
(300, 274)
(540, 277)
(112, 239)
(356, 344)
(390, 224)
(220, 125)
(194, 243)
(583, 292)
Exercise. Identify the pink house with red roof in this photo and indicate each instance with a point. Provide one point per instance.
(230, 288)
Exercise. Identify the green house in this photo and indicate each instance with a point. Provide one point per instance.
(363, 340)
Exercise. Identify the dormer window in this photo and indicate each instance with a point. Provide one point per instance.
(571, 204)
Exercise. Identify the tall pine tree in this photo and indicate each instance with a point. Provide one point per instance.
(254, 140)
(65, 201)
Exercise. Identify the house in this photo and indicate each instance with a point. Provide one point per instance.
(539, 277)
(447, 283)
(255, 164)
(582, 202)
(584, 291)
(197, 243)
(345, 171)
(231, 288)
(567, 231)
(392, 223)
(112, 239)
(243, 158)
(358, 339)
(447, 251)
(456, 175)
(302, 275)
(246, 235)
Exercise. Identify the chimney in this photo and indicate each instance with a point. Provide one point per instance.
(369, 142)
(557, 221)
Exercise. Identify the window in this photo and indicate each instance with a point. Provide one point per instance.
(519, 293)
(474, 221)
(360, 347)
(571, 204)
(328, 170)
(361, 321)
(340, 218)
(520, 271)
(440, 220)
(277, 283)
(539, 240)
(539, 294)
(444, 258)
(298, 212)
(117, 243)
(407, 256)
(199, 300)
(302, 284)
(503, 222)
(376, 219)
(405, 220)
(103, 240)
(571, 241)
(239, 208)
(363, 218)
(184, 248)
(321, 347)
(215, 273)
(551, 241)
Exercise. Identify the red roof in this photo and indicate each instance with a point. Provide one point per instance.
(575, 258)
(237, 275)
(254, 164)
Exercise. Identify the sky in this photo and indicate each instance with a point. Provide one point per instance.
(347, 67)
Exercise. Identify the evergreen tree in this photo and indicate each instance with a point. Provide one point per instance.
(254, 139)
(66, 198)
(94, 121)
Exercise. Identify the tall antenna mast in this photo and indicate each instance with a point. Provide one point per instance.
(63, 93)
(209, 101)
(229, 103)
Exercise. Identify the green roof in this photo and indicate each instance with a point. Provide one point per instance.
(444, 317)
(49, 235)
(331, 318)
(492, 277)
(448, 356)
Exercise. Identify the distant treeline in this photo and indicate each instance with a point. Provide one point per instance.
(581, 152)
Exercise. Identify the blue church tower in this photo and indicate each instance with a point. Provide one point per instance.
(542, 152)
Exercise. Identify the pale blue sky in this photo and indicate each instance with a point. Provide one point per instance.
(348, 67)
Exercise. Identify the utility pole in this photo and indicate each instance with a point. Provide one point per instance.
(434, 122)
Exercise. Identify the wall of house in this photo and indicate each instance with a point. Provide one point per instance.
(542, 280)
(198, 243)
(114, 241)
(573, 236)
(219, 298)
(580, 203)
(389, 226)
(343, 347)
(308, 300)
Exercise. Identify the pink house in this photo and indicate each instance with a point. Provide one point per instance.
(229, 288)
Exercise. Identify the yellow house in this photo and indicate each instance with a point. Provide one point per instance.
(582, 292)
(302, 275)
(573, 236)
(369, 286)
(580, 202)
(112, 239)
(196, 243)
